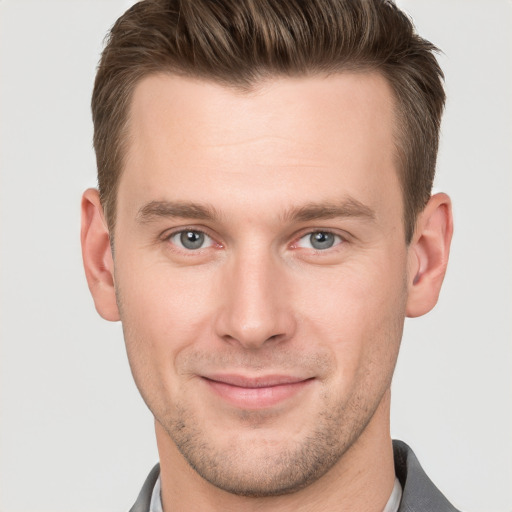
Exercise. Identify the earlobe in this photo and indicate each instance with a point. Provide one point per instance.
(428, 255)
(97, 256)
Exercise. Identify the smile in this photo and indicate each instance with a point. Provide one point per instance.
(256, 393)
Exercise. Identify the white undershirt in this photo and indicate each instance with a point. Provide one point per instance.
(156, 502)
(391, 506)
(395, 498)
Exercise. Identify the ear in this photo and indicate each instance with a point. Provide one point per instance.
(97, 256)
(428, 255)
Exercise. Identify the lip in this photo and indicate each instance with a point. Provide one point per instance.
(256, 392)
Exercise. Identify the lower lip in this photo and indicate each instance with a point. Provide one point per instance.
(257, 398)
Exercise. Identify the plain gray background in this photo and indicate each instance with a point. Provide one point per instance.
(74, 434)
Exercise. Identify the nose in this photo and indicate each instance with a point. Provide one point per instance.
(255, 303)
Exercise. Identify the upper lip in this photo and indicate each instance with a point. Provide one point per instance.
(263, 381)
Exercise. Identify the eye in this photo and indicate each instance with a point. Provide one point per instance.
(191, 240)
(319, 240)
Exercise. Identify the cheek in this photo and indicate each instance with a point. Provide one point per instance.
(162, 313)
(353, 297)
(357, 312)
(163, 317)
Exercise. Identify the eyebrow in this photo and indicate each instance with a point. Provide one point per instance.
(170, 209)
(349, 207)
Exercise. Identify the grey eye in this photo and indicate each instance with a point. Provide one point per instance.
(191, 240)
(319, 240)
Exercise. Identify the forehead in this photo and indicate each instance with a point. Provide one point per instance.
(285, 140)
(330, 104)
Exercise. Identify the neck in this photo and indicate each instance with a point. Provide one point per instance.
(362, 480)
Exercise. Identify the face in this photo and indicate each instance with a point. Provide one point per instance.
(260, 271)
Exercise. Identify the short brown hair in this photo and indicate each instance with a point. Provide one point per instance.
(238, 43)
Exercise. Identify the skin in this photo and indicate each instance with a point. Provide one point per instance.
(266, 362)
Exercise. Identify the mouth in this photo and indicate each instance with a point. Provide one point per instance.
(258, 392)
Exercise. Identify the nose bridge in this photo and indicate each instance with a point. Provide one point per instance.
(255, 308)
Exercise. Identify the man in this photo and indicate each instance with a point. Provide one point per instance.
(264, 224)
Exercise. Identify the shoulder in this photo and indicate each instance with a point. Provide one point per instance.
(419, 494)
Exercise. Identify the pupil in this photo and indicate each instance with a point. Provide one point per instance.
(192, 239)
(322, 240)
